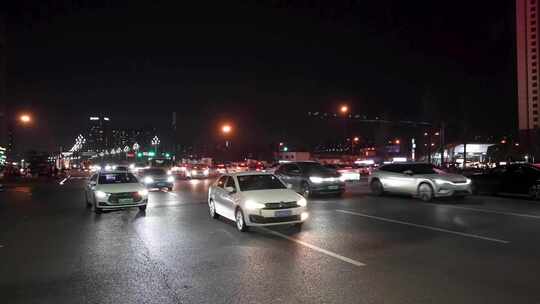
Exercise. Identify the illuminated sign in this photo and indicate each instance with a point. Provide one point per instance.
(94, 118)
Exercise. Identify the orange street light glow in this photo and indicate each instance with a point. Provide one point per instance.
(226, 129)
(344, 109)
(356, 139)
(25, 118)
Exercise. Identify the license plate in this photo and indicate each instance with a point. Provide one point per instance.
(125, 200)
(283, 213)
(161, 184)
(333, 187)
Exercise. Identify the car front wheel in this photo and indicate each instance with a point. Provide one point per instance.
(425, 192)
(212, 209)
(240, 222)
(305, 190)
(97, 210)
(142, 208)
(377, 188)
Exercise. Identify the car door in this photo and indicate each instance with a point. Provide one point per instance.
(218, 193)
(291, 174)
(90, 186)
(511, 179)
(282, 173)
(228, 198)
(395, 180)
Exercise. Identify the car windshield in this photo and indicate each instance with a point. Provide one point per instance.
(422, 169)
(259, 182)
(154, 172)
(117, 178)
(314, 168)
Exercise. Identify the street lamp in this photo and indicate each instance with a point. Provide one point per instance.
(354, 141)
(226, 129)
(25, 118)
(344, 109)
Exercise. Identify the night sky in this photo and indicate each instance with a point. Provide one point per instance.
(260, 64)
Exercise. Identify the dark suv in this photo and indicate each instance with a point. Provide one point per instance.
(308, 177)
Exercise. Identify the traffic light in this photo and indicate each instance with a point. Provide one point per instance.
(167, 155)
(151, 153)
(139, 154)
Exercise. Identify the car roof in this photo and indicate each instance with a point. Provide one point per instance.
(248, 173)
(112, 172)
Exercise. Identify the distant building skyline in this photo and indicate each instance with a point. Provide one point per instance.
(527, 32)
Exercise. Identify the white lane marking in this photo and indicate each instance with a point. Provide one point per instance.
(318, 249)
(487, 211)
(64, 180)
(172, 193)
(425, 227)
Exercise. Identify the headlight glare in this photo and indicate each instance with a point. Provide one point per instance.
(250, 204)
(148, 180)
(302, 202)
(101, 194)
(170, 179)
(143, 192)
(316, 179)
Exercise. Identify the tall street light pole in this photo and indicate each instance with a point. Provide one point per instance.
(226, 129)
(344, 111)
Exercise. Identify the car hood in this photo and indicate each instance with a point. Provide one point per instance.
(155, 175)
(324, 174)
(272, 195)
(455, 178)
(118, 188)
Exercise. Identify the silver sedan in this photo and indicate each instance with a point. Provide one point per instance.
(419, 180)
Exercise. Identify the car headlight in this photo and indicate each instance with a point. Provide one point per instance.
(108, 167)
(302, 202)
(170, 179)
(143, 192)
(193, 171)
(101, 194)
(440, 181)
(316, 179)
(254, 205)
(342, 178)
(148, 180)
(206, 171)
(468, 180)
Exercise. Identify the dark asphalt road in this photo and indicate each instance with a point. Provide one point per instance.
(355, 249)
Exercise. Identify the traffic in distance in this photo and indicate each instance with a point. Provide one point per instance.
(264, 194)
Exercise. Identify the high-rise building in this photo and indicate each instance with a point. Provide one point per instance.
(98, 137)
(527, 35)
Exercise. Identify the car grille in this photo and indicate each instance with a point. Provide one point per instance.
(115, 197)
(280, 205)
(269, 220)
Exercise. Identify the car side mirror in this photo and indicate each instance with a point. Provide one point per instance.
(230, 189)
(408, 172)
(289, 186)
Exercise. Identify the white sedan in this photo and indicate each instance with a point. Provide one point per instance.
(115, 190)
(256, 199)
